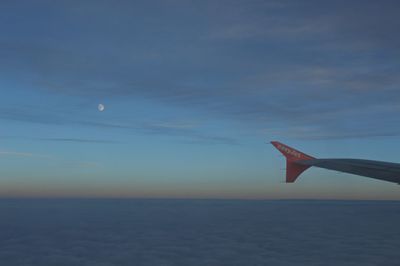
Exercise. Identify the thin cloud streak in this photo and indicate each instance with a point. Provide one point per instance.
(186, 130)
(18, 154)
(77, 140)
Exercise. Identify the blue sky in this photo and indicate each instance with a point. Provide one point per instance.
(193, 91)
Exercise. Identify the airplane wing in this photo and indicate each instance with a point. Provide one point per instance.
(297, 162)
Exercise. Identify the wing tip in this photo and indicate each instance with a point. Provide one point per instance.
(293, 169)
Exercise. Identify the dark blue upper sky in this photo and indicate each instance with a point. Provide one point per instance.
(193, 90)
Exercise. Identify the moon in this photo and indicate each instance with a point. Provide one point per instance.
(101, 107)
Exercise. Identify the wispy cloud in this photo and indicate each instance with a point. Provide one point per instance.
(50, 158)
(80, 164)
(18, 154)
(188, 130)
(77, 140)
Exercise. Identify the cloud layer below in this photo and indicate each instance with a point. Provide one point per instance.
(198, 232)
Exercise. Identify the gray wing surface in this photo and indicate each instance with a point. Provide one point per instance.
(374, 169)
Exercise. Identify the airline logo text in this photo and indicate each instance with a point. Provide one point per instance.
(289, 151)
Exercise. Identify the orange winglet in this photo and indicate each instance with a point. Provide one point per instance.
(293, 169)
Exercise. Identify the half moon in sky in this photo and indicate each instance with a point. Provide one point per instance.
(101, 107)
